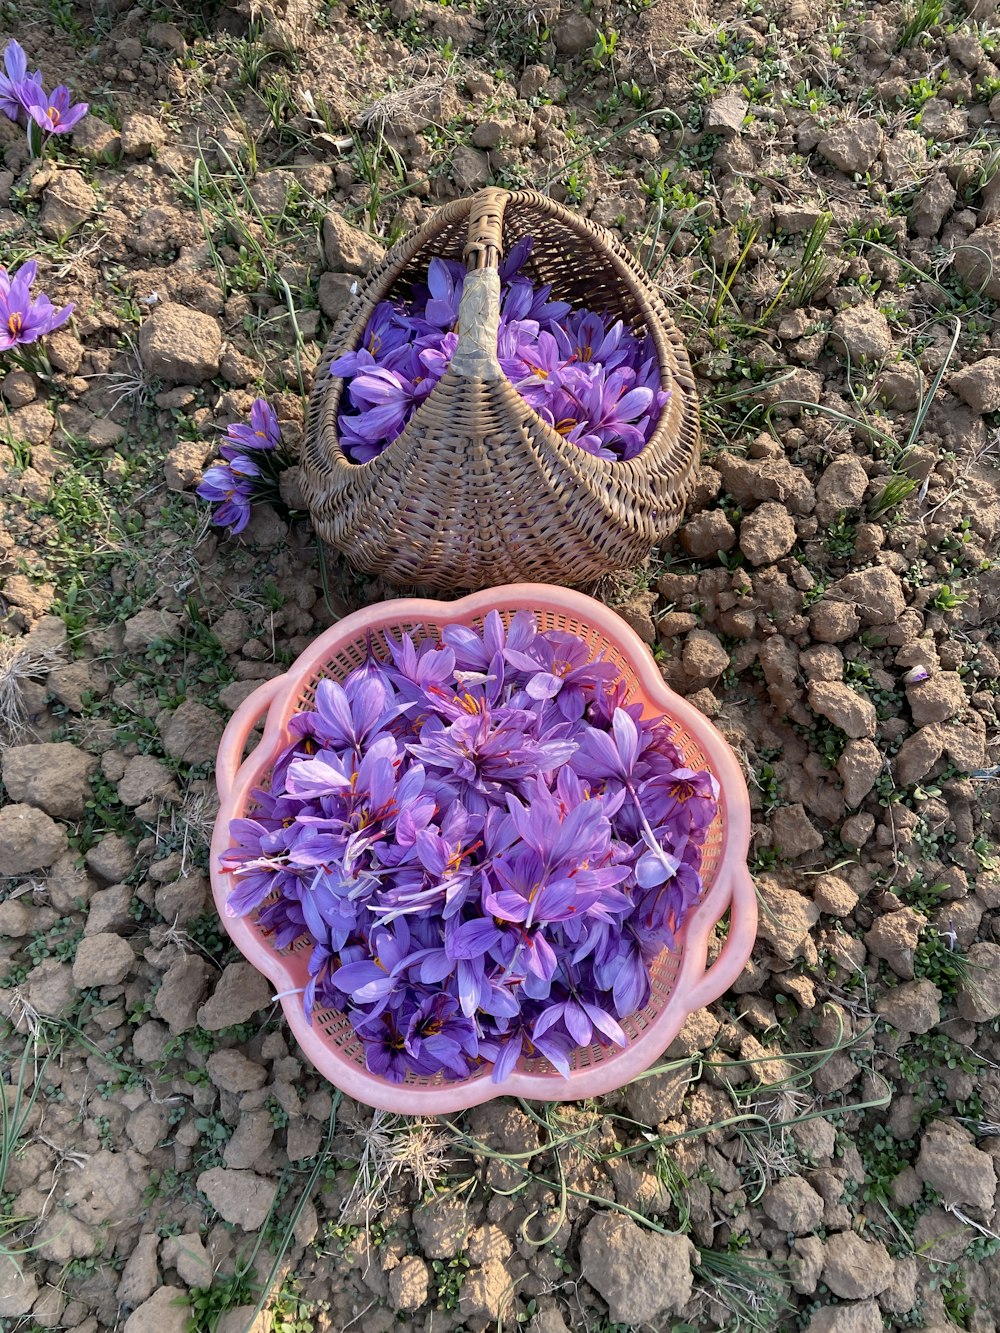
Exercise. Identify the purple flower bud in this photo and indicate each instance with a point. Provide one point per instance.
(915, 675)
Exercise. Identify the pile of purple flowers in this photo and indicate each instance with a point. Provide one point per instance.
(23, 98)
(253, 460)
(23, 320)
(485, 846)
(592, 379)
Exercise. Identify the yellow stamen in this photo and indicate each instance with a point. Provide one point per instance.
(565, 426)
(53, 114)
(15, 322)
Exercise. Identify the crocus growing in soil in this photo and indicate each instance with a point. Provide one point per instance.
(54, 113)
(19, 90)
(23, 319)
(484, 845)
(252, 462)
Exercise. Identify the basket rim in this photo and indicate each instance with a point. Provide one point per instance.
(694, 985)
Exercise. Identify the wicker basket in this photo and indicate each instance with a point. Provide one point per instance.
(478, 489)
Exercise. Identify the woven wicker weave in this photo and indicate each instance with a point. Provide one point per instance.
(478, 489)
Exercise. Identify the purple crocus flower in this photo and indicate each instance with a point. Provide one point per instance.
(54, 113)
(263, 432)
(18, 89)
(230, 485)
(23, 320)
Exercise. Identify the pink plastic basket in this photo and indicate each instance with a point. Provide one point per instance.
(682, 982)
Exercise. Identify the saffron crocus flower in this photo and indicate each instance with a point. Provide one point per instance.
(263, 432)
(231, 486)
(23, 320)
(54, 113)
(18, 89)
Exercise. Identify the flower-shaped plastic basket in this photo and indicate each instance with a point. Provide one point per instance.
(681, 981)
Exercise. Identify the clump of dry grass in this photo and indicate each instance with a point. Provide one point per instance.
(17, 665)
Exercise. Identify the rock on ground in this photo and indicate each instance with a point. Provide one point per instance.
(794, 832)
(844, 707)
(639, 1274)
(409, 1283)
(793, 1205)
(347, 249)
(854, 1317)
(979, 384)
(55, 777)
(29, 840)
(239, 993)
(18, 1287)
(854, 1268)
(852, 148)
(913, 1007)
(241, 1197)
(977, 261)
(978, 994)
(181, 992)
(193, 733)
(894, 937)
(767, 533)
(69, 201)
(179, 345)
(102, 960)
(166, 1311)
(951, 1163)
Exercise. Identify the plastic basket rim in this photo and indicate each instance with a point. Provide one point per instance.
(693, 985)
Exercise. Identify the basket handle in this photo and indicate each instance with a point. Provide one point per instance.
(742, 932)
(484, 238)
(237, 733)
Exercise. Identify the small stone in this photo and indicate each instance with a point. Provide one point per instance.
(863, 332)
(937, 699)
(141, 135)
(145, 778)
(932, 204)
(703, 656)
(914, 1007)
(833, 622)
(854, 1317)
(854, 1268)
(978, 994)
(856, 831)
(140, 1274)
(110, 911)
(852, 148)
(50, 989)
(181, 992)
(844, 707)
(55, 777)
(15, 919)
(18, 1287)
(409, 1283)
(841, 488)
(241, 1197)
(18, 388)
(484, 1293)
(858, 767)
(113, 859)
(347, 249)
(29, 840)
(794, 833)
(470, 168)
(68, 202)
(184, 464)
(767, 533)
(193, 733)
(979, 384)
(336, 291)
(707, 533)
(725, 115)
(834, 896)
(951, 1163)
(918, 754)
(650, 1101)
(233, 1072)
(242, 1320)
(180, 345)
(574, 34)
(640, 1274)
(793, 1205)
(977, 261)
(894, 937)
(240, 993)
(166, 1311)
(188, 1255)
(876, 593)
(442, 1226)
(95, 139)
(786, 918)
(102, 960)
(168, 37)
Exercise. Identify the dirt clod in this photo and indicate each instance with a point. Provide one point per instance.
(640, 1275)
